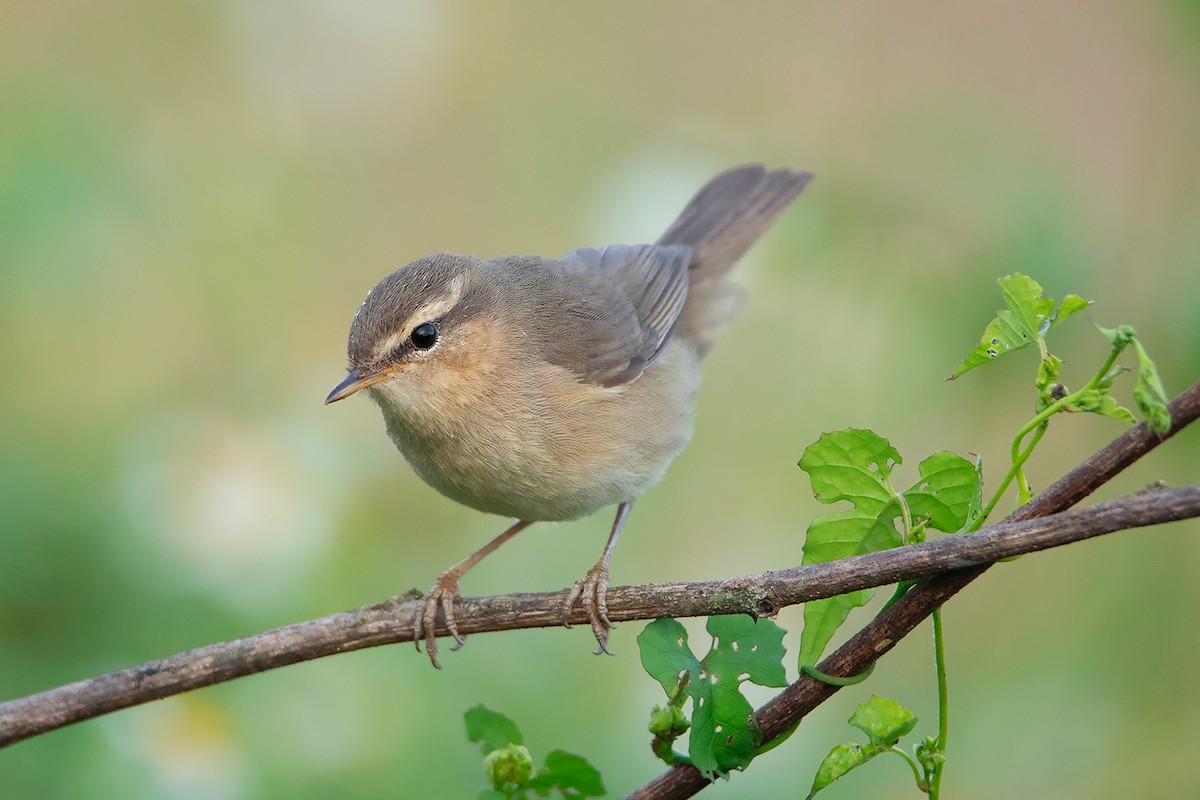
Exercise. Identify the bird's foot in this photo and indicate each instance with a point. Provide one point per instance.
(592, 591)
(442, 595)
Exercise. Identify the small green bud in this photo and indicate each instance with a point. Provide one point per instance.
(508, 766)
(668, 722)
(929, 756)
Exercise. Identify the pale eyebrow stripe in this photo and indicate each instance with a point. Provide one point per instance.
(430, 311)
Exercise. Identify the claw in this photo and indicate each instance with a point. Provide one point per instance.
(445, 592)
(592, 592)
(442, 595)
(572, 596)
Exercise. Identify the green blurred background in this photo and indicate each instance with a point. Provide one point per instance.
(195, 197)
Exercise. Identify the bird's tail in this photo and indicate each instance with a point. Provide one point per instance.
(720, 224)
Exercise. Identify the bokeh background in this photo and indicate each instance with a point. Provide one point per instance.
(195, 197)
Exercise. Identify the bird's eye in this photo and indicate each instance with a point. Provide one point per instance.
(425, 335)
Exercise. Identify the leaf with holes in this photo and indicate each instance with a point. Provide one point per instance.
(666, 655)
(748, 648)
(723, 734)
(1029, 317)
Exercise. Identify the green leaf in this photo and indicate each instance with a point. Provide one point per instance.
(856, 466)
(1149, 394)
(1109, 407)
(884, 721)
(1148, 391)
(491, 728)
(723, 734)
(948, 492)
(491, 794)
(1029, 317)
(1098, 401)
(665, 653)
(570, 774)
(848, 464)
(745, 646)
(1004, 334)
(822, 618)
(1071, 304)
(1024, 297)
(840, 760)
(1014, 328)
(853, 465)
(1106, 382)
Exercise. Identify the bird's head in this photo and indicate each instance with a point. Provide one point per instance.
(420, 339)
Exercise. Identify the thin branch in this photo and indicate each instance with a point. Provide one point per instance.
(761, 595)
(391, 621)
(789, 707)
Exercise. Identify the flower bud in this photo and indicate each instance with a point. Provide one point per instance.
(668, 722)
(508, 766)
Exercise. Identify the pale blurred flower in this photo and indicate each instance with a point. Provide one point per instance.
(243, 510)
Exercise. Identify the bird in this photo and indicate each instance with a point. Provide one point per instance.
(546, 389)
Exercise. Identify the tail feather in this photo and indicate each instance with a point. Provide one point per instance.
(720, 224)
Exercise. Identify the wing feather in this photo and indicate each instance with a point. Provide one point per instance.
(623, 304)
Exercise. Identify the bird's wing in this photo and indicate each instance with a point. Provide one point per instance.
(621, 305)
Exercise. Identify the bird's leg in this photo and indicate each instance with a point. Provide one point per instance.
(592, 589)
(445, 592)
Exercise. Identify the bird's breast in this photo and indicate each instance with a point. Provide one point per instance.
(544, 446)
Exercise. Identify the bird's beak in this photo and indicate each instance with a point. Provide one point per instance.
(357, 380)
